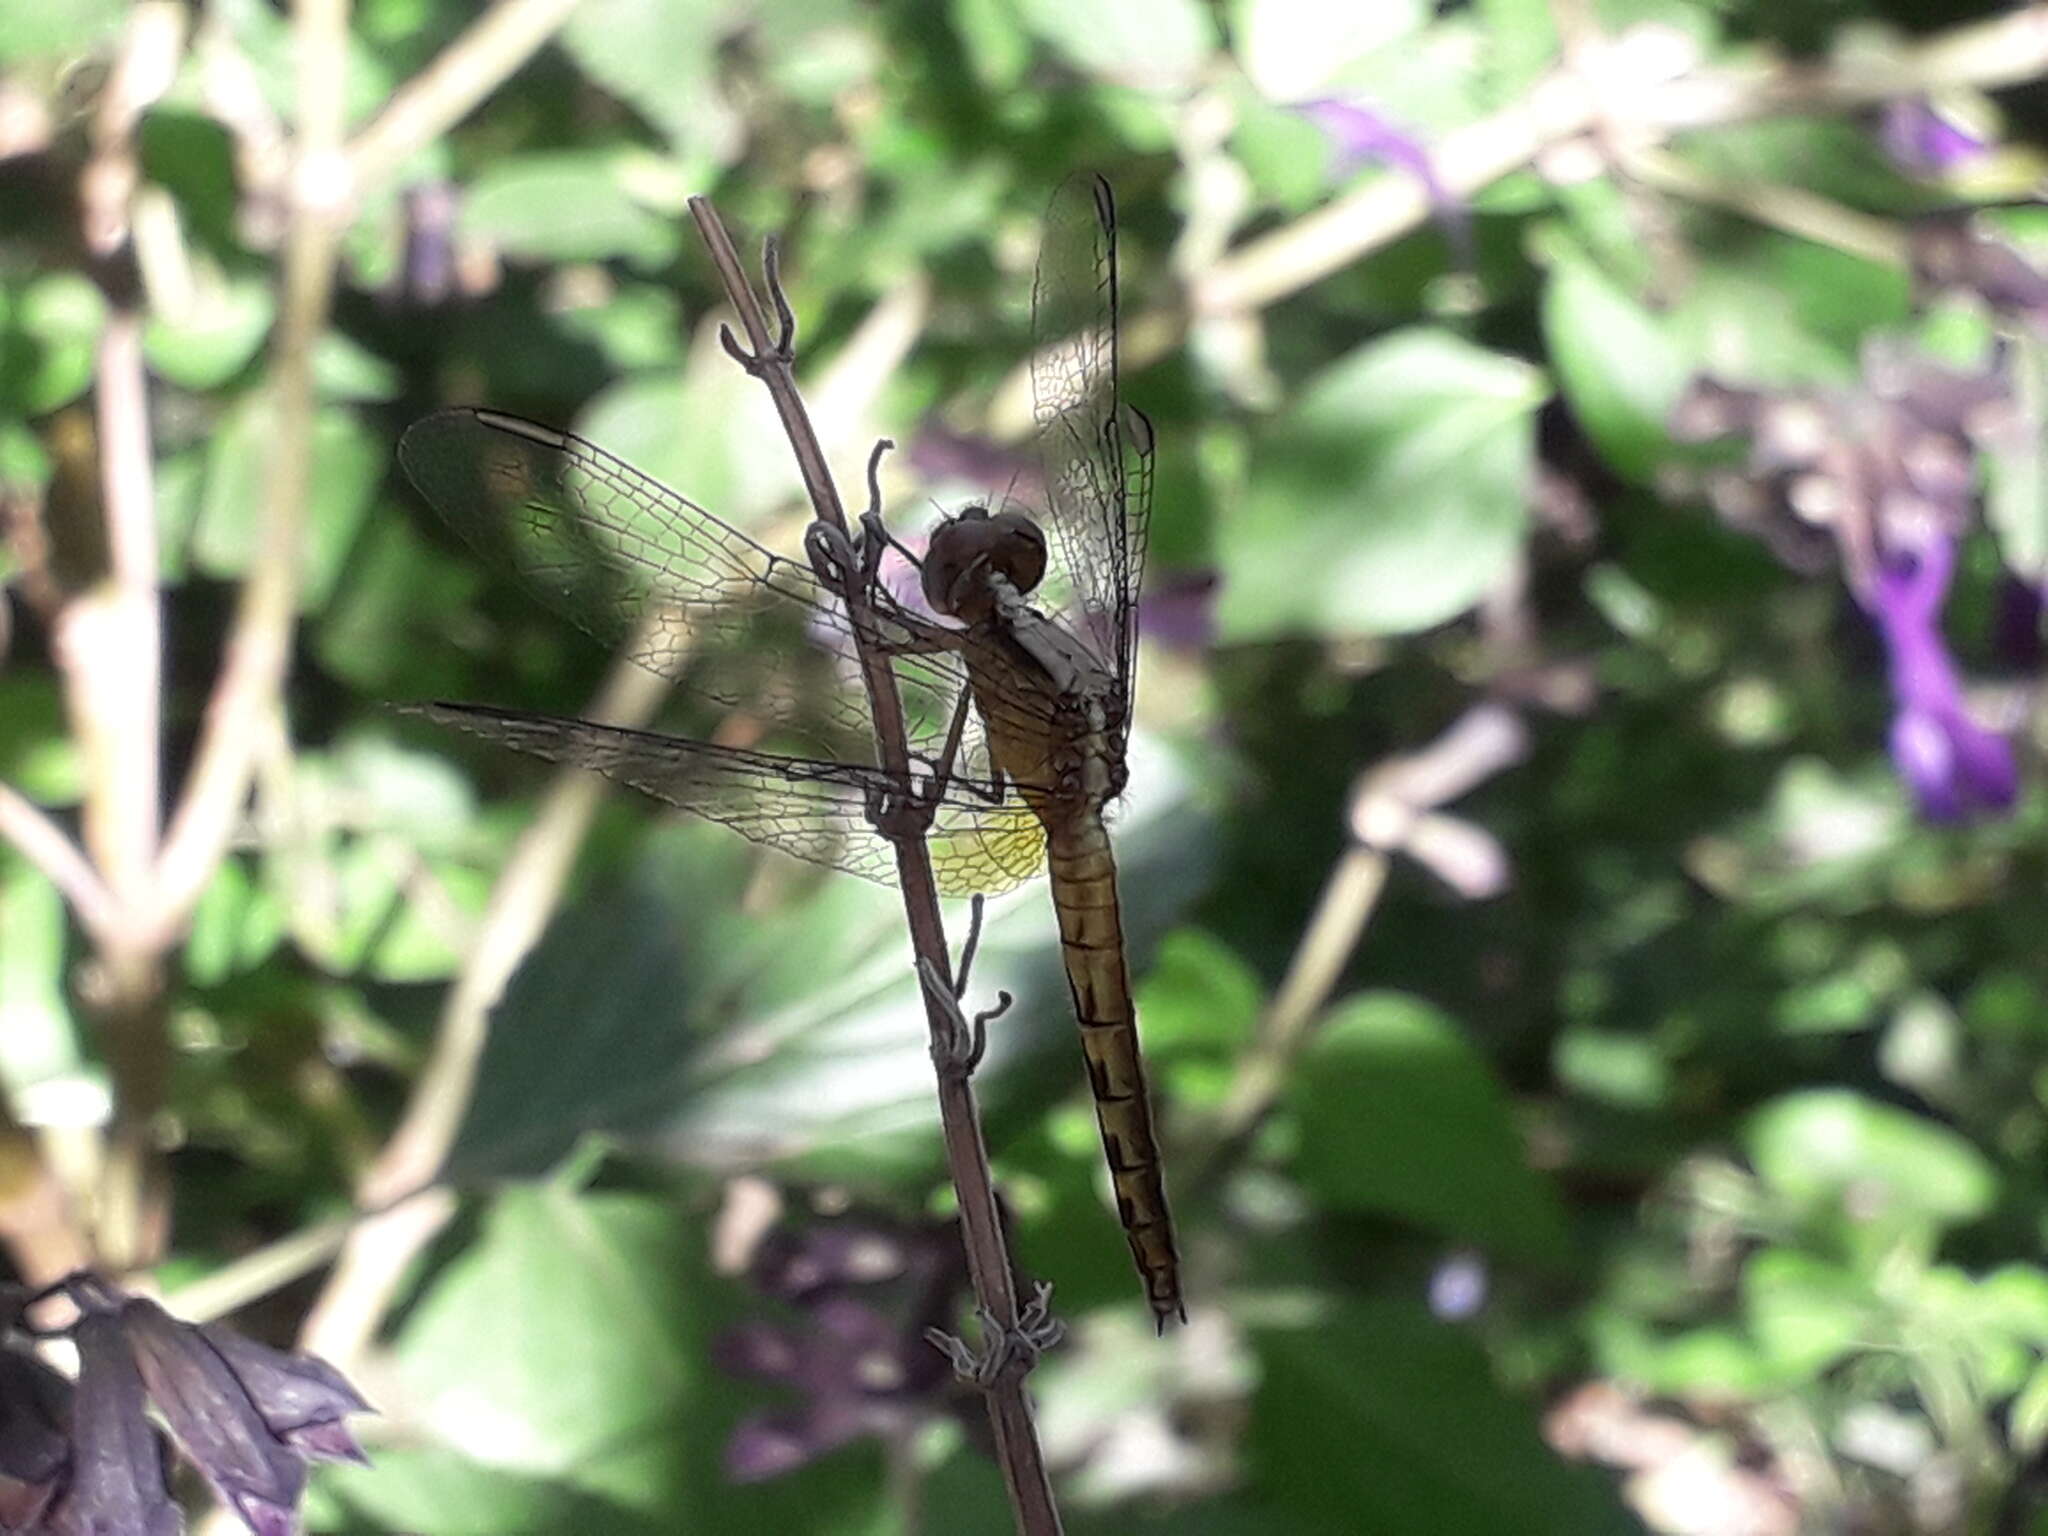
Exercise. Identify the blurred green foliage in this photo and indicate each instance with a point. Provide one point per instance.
(1734, 1102)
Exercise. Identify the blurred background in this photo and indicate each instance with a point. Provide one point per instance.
(1583, 854)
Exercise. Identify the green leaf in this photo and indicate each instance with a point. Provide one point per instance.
(48, 328)
(235, 927)
(1619, 371)
(1152, 45)
(2027, 1419)
(377, 898)
(565, 207)
(1831, 1146)
(348, 461)
(38, 755)
(711, 434)
(660, 59)
(398, 615)
(41, 1065)
(785, 1032)
(1804, 1313)
(193, 157)
(440, 1493)
(993, 38)
(582, 1367)
(1390, 498)
(1199, 994)
(2016, 464)
(1294, 49)
(1401, 1117)
(214, 339)
(1380, 1418)
(67, 30)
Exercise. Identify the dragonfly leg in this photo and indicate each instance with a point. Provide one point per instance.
(875, 537)
(966, 1039)
(784, 351)
(1003, 1349)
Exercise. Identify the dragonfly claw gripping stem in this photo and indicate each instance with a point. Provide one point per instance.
(1003, 1349)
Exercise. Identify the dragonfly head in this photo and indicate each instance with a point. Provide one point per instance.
(966, 550)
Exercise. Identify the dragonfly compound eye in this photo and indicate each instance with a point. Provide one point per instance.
(966, 550)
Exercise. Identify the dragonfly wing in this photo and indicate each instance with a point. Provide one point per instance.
(1097, 451)
(980, 840)
(635, 564)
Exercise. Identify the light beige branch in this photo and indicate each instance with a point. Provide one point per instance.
(258, 649)
(445, 92)
(44, 844)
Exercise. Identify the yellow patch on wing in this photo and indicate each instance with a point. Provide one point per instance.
(987, 853)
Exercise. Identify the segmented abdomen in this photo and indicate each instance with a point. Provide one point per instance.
(1092, 944)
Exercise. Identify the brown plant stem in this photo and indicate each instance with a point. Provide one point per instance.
(1017, 1448)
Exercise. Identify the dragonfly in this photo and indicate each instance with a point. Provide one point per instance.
(1039, 633)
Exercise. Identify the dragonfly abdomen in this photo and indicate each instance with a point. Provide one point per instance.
(1092, 945)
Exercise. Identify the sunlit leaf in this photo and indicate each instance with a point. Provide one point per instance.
(1834, 1145)
(1389, 498)
(1400, 1117)
(565, 207)
(1380, 1418)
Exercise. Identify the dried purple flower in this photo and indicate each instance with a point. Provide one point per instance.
(35, 1408)
(865, 1290)
(247, 1416)
(1954, 766)
(1360, 135)
(119, 1477)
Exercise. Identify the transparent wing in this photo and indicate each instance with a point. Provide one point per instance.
(816, 809)
(1097, 451)
(689, 597)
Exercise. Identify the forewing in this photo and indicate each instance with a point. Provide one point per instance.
(980, 841)
(688, 596)
(1097, 451)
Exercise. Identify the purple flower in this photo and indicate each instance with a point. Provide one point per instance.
(863, 1291)
(1363, 135)
(1922, 141)
(1954, 766)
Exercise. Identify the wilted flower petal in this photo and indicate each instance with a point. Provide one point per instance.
(214, 1419)
(302, 1398)
(118, 1478)
(34, 1405)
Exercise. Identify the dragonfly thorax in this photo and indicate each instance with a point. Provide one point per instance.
(966, 550)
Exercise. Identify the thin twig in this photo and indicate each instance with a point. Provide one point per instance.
(44, 844)
(258, 649)
(1388, 805)
(1017, 1447)
(1656, 106)
(109, 643)
(443, 93)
